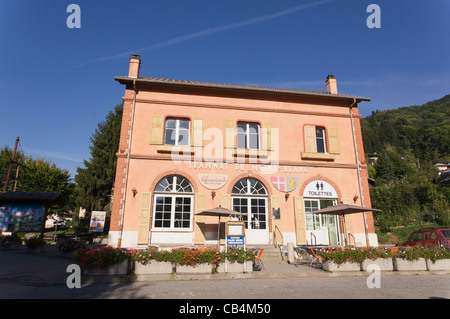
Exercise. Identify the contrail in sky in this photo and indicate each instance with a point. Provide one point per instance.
(213, 30)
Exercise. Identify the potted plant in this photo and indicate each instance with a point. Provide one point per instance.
(342, 260)
(35, 244)
(10, 242)
(438, 258)
(196, 261)
(237, 260)
(379, 256)
(69, 245)
(104, 260)
(151, 261)
(411, 258)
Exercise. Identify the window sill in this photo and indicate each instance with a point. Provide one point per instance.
(318, 156)
(249, 153)
(185, 150)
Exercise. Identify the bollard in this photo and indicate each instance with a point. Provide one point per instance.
(290, 253)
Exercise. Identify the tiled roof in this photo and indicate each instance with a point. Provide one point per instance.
(124, 79)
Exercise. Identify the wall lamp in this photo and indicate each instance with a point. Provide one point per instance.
(355, 198)
(286, 196)
(134, 191)
(213, 194)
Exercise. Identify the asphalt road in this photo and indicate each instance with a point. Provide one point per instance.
(391, 287)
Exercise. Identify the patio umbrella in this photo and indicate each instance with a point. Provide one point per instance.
(220, 212)
(344, 209)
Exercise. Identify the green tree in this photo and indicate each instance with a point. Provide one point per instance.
(95, 181)
(39, 175)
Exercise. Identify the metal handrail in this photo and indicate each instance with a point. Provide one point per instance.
(315, 239)
(354, 240)
(275, 240)
(275, 234)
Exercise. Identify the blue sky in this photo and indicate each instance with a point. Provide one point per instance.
(57, 83)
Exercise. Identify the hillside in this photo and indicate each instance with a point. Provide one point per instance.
(409, 141)
(421, 132)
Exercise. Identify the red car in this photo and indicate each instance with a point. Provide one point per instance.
(439, 237)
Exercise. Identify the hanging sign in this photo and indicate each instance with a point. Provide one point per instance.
(212, 181)
(320, 189)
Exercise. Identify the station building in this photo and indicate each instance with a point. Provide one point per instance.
(273, 154)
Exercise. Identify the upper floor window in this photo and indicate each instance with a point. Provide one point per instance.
(177, 131)
(320, 139)
(248, 135)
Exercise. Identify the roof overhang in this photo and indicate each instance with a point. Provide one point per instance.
(151, 80)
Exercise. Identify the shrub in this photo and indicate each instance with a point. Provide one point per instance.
(239, 255)
(70, 244)
(411, 253)
(100, 257)
(34, 242)
(7, 241)
(342, 256)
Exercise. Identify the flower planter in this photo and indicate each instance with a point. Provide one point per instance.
(235, 267)
(407, 265)
(440, 264)
(117, 269)
(153, 267)
(347, 266)
(198, 269)
(384, 264)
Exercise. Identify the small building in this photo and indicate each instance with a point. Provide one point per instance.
(273, 154)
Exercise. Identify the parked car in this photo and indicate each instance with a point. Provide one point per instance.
(439, 237)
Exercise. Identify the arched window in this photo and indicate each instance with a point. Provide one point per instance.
(249, 196)
(174, 184)
(173, 203)
(249, 186)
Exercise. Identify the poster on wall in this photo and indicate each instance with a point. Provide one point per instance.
(97, 221)
(21, 217)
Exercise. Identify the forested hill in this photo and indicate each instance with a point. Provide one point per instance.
(417, 132)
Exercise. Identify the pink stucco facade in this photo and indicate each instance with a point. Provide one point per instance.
(288, 126)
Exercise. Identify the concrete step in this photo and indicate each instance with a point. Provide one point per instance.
(271, 254)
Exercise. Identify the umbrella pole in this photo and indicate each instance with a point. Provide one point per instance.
(366, 230)
(345, 231)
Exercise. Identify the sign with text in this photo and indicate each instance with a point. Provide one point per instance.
(97, 221)
(320, 189)
(235, 241)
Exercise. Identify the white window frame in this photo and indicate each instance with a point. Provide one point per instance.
(247, 135)
(172, 193)
(177, 130)
(172, 213)
(323, 139)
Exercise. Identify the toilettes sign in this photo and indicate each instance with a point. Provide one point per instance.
(319, 189)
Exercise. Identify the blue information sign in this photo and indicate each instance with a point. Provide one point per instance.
(235, 240)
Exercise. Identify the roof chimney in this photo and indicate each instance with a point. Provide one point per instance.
(135, 62)
(331, 84)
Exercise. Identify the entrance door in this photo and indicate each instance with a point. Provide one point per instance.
(256, 223)
(320, 229)
(249, 196)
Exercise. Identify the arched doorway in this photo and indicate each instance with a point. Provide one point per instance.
(249, 196)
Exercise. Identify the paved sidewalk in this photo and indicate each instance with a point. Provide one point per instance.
(50, 268)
